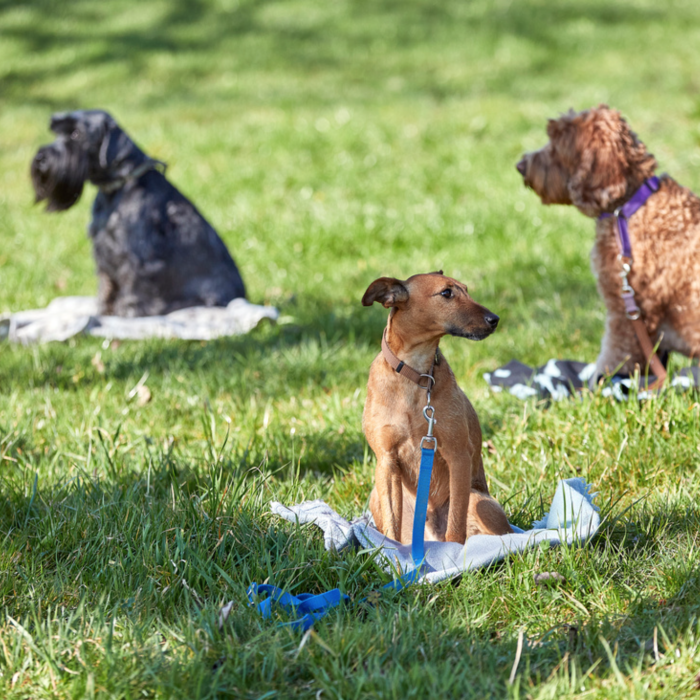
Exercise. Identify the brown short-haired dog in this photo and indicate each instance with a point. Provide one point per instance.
(596, 162)
(423, 309)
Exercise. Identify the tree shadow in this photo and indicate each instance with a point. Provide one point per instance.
(149, 535)
(327, 40)
(322, 322)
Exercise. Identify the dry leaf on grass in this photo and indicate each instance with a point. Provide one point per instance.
(97, 362)
(143, 395)
(549, 578)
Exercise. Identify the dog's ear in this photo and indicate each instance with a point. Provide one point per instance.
(116, 148)
(611, 159)
(598, 182)
(388, 291)
(556, 128)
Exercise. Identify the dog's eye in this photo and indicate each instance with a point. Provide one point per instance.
(447, 293)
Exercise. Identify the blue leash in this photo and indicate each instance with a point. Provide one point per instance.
(421, 509)
(306, 608)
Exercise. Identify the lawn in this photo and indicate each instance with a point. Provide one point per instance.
(331, 142)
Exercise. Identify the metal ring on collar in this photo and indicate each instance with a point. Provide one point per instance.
(429, 385)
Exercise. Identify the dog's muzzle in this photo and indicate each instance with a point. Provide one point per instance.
(58, 174)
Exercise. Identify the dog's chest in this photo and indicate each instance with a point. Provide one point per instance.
(394, 424)
(409, 458)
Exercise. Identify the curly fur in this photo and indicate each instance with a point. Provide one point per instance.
(596, 162)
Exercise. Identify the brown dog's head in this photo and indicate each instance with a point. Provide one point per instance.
(593, 160)
(432, 305)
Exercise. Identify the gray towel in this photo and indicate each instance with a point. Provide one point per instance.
(572, 518)
(66, 317)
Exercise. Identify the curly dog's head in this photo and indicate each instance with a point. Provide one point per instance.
(593, 160)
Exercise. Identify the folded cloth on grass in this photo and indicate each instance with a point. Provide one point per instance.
(66, 317)
(559, 379)
(572, 517)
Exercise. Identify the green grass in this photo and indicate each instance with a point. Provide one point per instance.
(332, 142)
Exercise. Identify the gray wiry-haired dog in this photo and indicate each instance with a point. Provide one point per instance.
(154, 251)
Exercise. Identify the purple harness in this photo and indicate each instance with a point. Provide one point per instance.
(622, 214)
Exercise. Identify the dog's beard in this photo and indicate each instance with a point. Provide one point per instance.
(58, 174)
(547, 178)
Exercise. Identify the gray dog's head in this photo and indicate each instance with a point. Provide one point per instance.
(89, 145)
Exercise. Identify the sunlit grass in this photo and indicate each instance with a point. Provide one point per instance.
(331, 143)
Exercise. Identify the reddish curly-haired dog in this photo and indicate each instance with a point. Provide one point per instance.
(596, 162)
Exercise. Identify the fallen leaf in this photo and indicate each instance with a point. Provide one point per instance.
(97, 362)
(548, 578)
(143, 395)
(373, 597)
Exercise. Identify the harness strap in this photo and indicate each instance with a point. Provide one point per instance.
(621, 215)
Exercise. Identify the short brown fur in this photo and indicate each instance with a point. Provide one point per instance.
(459, 504)
(596, 162)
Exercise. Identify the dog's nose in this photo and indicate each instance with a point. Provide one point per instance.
(521, 166)
(492, 320)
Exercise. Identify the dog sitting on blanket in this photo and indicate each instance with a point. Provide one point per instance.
(424, 308)
(597, 163)
(155, 252)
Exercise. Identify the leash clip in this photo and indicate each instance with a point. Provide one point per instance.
(428, 386)
(631, 309)
(429, 415)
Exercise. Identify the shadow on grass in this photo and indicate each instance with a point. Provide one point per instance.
(317, 321)
(546, 299)
(133, 540)
(324, 40)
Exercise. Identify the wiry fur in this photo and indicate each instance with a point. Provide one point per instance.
(596, 162)
(155, 252)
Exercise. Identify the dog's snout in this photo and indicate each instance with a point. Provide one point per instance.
(521, 166)
(492, 320)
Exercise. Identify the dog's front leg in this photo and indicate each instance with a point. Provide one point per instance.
(620, 350)
(388, 506)
(459, 465)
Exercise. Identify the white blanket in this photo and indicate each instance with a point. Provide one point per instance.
(572, 517)
(66, 317)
